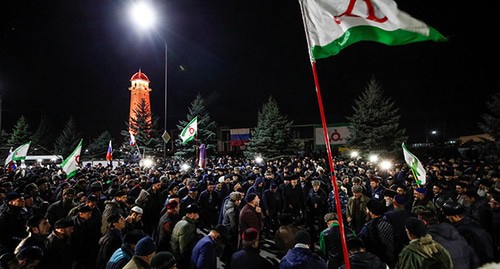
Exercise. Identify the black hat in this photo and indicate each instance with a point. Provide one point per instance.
(12, 196)
(133, 236)
(114, 218)
(163, 260)
(390, 193)
(250, 197)
(92, 198)
(302, 236)
(63, 223)
(30, 253)
(84, 209)
(375, 207)
(416, 227)
(145, 246)
(221, 229)
(400, 199)
(34, 221)
(354, 243)
(453, 208)
(192, 208)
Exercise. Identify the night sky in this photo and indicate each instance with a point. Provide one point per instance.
(75, 58)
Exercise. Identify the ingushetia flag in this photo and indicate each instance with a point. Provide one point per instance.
(70, 165)
(18, 154)
(333, 25)
(189, 132)
(415, 165)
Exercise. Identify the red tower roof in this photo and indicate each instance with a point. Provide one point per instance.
(139, 75)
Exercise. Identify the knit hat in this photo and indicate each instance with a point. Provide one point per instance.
(400, 199)
(137, 210)
(163, 260)
(375, 207)
(416, 227)
(250, 197)
(250, 235)
(92, 198)
(235, 196)
(145, 247)
(421, 190)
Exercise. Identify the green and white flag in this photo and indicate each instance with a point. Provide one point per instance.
(332, 25)
(189, 132)
(415, 165)
(70, 165)
(18, 154)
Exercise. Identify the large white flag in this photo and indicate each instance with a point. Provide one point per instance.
(18, 154)
(70, 165)
(189, 132)
(415, 165)
(332, 25)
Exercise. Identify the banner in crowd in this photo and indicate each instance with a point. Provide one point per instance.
(239, 136)
(337, 134)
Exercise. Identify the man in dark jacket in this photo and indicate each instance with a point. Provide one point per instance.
(123, 255)
(204, 252)
(12, 223)
(59, 254)
(300, 256)
(111, 241)
(61, 208)
(82, 240)
(39, 229)
(209, 202)
(359, 258)
(251, 214)
(116, 206)
(330, 245)
(248, 257)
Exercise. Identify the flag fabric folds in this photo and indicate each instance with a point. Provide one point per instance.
(333, 25)
(239, 136)
(203, 156)
(109, 153)
(70, 164)
(18, 154)
(132, 139)
(189, 132)
(415, 165)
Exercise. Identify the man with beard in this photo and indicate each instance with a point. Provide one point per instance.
(61, 208)
(39, 229)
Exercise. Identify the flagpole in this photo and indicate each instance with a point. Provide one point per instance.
(196, 152)
(327, 145)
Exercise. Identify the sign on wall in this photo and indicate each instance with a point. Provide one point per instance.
(336, 134)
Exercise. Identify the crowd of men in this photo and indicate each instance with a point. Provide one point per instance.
(154, 217)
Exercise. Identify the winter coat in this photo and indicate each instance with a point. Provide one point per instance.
(12, 227)
(136, 263)
(378, 236)
(462, 255)
(59, 210)
(424, 253)
(249, 258)
(83, 243)
(259, 191)
(204, 255)
(108, 243)
(330, 244)
(302, 258)
(59, 255)
(249, 218)
(477, 237)
(184, 237)
(164, 230)
(120, 257)
(365, 260)
(112, 207)
(231, 219)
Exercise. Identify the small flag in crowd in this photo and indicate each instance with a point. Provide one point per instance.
(109, 153)
(415, 165)
(70, 165)
(189, 132)
(334, 25)
(132, 139)
(18, 154)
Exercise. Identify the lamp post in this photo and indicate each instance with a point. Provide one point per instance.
(143, 15)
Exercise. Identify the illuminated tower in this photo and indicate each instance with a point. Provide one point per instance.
(139, 89)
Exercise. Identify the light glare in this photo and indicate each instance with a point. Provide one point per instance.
(143, 15)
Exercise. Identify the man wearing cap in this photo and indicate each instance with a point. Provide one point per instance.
(378, 234)
(293, 200)
(248, 257)
(330, 245)
(189, 199)
(143, 253)
(477, 237)
(110, 241)
(209, 202)
(204, 252)
(153, 206)
(61, 208)
(59, 251)
(397, 218)
(422, 252)
(184, 236)
(359, 258)
(251, 215)
(166, 225)
(163, 260)
(230, 221)
(82, 239)
(12, 223)
(421, 200)
(115, 206)
(356, 208)
(134, 220)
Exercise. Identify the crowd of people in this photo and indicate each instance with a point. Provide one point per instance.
(218, 216)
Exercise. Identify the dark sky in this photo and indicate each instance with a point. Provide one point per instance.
(75, 58)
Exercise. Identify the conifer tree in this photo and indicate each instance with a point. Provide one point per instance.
(69, 138)
(44, 135)
(272, 138)
(144, 126)
(20, 133)
(206, 131)
(98, 148)
(375, 123)
(490, 124)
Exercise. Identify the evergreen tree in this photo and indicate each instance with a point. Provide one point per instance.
(490, 124)
(375, 123)
(44, 135)
(20, 133)
(206, 131)
(272, 138)
(69, 138)
(144, 126)
(98, 148)
(4, 137)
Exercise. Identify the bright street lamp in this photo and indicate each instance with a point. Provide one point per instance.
(144, 16)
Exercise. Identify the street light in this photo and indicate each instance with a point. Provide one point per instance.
(144, 16)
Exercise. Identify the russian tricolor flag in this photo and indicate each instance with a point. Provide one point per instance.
(132, 139)
(239, 136)
(109, 153)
